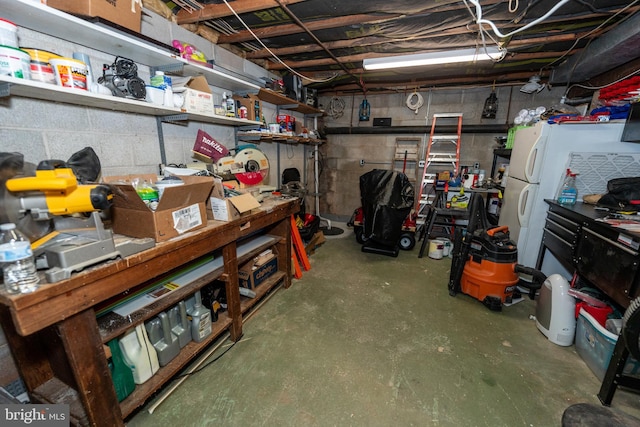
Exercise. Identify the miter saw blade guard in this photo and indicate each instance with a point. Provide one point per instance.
(249, 165)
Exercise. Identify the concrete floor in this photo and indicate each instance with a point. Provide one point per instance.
(368, 340)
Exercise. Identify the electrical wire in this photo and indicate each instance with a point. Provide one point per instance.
(480, 20)
(415, 106)
(209, 363)
(273, 54)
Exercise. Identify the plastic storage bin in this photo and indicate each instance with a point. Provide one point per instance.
(595, 345)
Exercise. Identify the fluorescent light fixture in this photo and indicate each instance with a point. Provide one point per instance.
(433, 58)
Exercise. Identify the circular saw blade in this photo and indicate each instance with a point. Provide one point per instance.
(255, 165)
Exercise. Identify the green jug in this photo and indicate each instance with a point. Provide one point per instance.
(120, 373)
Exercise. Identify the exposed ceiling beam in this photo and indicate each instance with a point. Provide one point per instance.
(297, 65)
(373, 40)
(216, 11)
(288, 29)
(425, 83)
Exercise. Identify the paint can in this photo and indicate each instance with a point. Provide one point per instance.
(436, 249)
(8, 33)
(15, 62)
(70, 73)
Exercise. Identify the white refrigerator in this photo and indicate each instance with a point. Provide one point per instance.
(539, 159)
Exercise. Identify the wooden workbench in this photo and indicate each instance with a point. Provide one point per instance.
(57, 341)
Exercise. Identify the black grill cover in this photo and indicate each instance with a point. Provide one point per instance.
(387, 199)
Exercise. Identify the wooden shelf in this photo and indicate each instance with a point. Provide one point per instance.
(143, 391)
(112, 325)
(275, 137)
(282, 101)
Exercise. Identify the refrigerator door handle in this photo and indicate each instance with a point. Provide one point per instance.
(530, 169)
(524, 208)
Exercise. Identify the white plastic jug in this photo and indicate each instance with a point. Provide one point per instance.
(139, 354)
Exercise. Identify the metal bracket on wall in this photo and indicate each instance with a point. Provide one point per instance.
(5, 89)
(169, 68)
(176, 119)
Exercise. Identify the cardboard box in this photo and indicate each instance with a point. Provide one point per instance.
(121, 12)
(223, 208)
(180, 209)
(197, 96)
(253, 105)
(251, 275)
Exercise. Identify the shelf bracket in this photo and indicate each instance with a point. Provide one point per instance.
(176, 68)
(176, 119)
(5, 89)
(163, 154)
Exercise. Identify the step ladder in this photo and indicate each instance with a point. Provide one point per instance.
(405, 157)
(442, 154)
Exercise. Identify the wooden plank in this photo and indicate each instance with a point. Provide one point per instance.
(299, 246)
(83, 347)
(232, 287)
(28, 354)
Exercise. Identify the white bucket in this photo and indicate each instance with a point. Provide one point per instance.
(8, 33)
(15, 62)
(436, 248)
(70, 73)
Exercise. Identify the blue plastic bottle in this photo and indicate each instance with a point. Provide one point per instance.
(568, 193)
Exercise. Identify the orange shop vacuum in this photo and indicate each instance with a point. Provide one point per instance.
(485, 261)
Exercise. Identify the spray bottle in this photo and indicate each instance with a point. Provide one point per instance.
(568, 193)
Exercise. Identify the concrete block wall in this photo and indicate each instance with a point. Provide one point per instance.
(125, 142)
(343, 153)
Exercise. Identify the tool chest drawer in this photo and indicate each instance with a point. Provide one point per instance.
(563, 228)
(566, 223)
(560, 247)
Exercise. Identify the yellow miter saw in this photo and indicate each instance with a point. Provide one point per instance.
(46, 208)
(249, 165)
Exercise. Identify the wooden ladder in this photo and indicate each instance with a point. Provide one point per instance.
(405, 158)
(442, 154)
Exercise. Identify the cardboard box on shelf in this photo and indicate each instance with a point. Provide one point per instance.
(250, 275)
(121, 12)
(197, 96)
(180, 209)
(223, 208)
(253, 105)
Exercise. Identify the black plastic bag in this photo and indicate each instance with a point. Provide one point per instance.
(622, 193)
(85, 164)
(387, 199)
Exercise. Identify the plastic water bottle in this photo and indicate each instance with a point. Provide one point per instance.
(18, 266)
